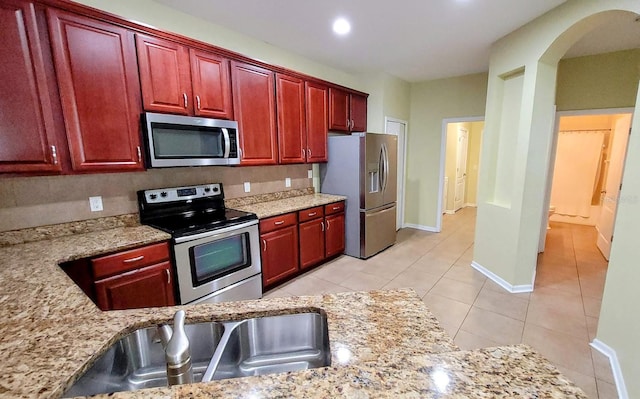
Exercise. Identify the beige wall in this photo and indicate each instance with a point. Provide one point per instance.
(506, 240)
(431, 102)
(598, 81)
(36, 201)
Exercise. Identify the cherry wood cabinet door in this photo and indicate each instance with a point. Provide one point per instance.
(358, 112)
(254, 107)
(279, 254)
(317, 111)
(338, 110)
(100, 92)
(27, 137)
(164, 75)
(334, 234)
(311, 243)
(142, 288)
(291, 119)
(211, 85)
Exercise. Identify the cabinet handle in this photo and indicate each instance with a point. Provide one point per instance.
(322, 224)
(279, 222)
(186, 102)
(139, 155)
(168, 276)
(54, 154)
(131, 260)
(335, 208)
(304, 154)
(309, 152)
(327, 224)
(264, 245)
(198, 101)
(312, 213)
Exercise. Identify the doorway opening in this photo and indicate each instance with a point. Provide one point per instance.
(462, 140)
(586, 170)
(398, 127)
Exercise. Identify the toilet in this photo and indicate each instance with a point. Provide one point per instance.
(552, 210)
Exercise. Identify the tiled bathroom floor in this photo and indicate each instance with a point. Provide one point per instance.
(558, 319)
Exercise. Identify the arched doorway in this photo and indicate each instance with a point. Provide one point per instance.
(514, 172)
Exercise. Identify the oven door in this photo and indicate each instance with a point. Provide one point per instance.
(214, 260)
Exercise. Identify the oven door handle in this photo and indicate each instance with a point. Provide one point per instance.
(215, 232)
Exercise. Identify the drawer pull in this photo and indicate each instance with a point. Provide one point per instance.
(313, 213)
(264, 245)
(137, 258)
(168, 276)
(279, 222)
(335, 208)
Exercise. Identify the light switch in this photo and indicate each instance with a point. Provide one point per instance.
(287, 182)
(310, 173)
(247, 187)
(95, 203)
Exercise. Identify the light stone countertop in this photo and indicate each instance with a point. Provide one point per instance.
(51, 332)
(286, 205)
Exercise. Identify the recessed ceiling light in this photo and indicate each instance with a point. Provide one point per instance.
(341, 26)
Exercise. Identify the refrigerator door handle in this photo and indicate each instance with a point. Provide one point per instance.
(381, 169)
(385, 167)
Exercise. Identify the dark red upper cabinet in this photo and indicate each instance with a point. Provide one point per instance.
(317, 110)
(27, 138)
(291, 119)
(358, 112)
(255, 110)
(164, 75)
(211, 85)
(100, 92)
(338, 110)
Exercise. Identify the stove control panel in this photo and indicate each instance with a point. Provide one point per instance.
(183, 193)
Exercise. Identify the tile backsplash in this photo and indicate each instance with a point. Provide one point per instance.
(37, 201)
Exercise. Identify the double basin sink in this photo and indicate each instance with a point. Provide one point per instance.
(219, 350)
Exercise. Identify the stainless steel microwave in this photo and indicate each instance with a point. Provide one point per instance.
(173, 140)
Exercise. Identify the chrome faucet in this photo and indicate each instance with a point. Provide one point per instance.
(176, 349)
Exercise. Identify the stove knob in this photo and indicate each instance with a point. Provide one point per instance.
(163, 194)
(215, 189)
(207, 189)
(153, 196)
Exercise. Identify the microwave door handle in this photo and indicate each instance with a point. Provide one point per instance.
(227, 142)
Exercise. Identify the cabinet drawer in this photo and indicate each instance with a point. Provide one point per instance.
(311, 213)
(109, 265)
(336, 207)
(277, 222)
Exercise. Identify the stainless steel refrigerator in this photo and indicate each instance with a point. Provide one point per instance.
(362, 167)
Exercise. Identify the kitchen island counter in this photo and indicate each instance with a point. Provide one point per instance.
(383, 343)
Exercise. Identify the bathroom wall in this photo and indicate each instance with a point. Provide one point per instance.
(36, 201)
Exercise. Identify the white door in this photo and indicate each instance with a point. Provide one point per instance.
(461, 168)
(607, 217)
(399, 128)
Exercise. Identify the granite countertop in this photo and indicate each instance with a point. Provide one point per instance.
(280, 206)
(52, 332)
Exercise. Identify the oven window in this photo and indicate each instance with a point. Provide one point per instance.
(173, 141)
(218, 258)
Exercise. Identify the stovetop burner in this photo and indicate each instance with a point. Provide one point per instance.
(191, 210)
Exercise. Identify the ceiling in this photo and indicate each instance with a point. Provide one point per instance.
(411, 39)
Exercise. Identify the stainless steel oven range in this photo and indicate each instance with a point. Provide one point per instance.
(215, 249)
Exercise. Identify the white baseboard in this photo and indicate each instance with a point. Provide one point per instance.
(421, 227)
(514, 289)
(450, 212)
(469, 204)
(615, 366)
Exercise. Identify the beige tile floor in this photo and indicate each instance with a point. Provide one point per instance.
(558, 319)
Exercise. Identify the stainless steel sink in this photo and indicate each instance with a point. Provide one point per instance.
(137, 361)
(219, 350)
